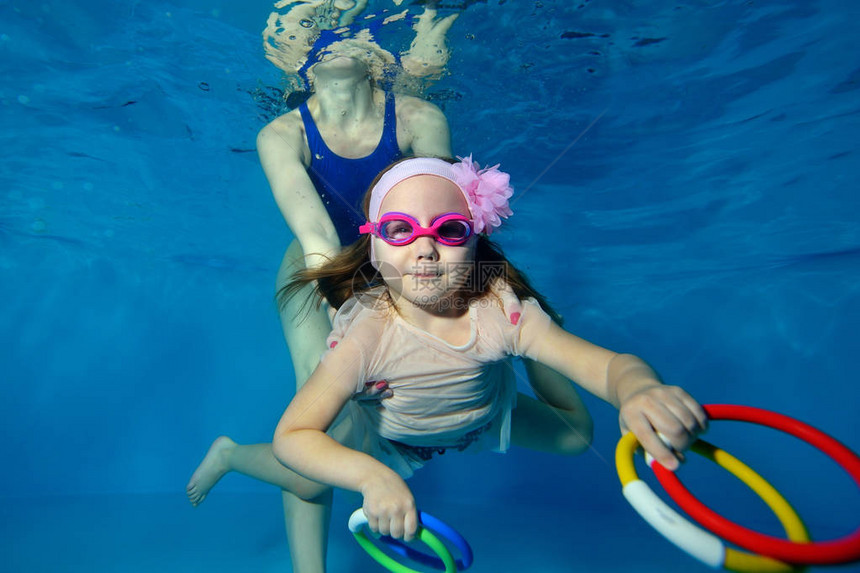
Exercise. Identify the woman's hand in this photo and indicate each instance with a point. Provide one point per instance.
(374, 390)
(428, 54)
(390, 507)
(668, 410)
(509, 300)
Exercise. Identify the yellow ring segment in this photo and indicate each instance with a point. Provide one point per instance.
(694, 540)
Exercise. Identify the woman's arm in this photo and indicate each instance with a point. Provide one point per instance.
(428, 54)
(300, 443)
(347, 17)
(286, 40)
(646, 406)
(279, 146)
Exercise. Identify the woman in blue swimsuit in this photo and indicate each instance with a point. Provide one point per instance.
(319, 160)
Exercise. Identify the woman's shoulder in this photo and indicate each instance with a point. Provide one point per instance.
(283, 139)
(289, 125)
(411, 109)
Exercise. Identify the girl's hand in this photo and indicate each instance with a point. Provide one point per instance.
(390, 507)
(374, 390)
(668, 410)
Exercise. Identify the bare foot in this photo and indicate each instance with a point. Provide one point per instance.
(213, 467)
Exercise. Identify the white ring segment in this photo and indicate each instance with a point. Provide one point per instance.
(694, 540)
(357, 520)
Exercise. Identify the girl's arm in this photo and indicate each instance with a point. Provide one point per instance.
(300, 443)
(645, 405)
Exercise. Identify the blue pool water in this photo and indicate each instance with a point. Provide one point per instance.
(687, 177)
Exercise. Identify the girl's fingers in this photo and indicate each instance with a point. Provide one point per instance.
(687, 413)
(372, 522)
(384, 524)
(396, 527)
(665, 436)
(666, 421)
(644, 432)
(698, 411)
(680, 428)
(410, 525)
(404, 526)
(397, 523)
(676, 428)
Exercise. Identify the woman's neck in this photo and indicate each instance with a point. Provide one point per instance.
(344, 100)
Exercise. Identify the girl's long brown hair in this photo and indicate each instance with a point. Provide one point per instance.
(350, 273)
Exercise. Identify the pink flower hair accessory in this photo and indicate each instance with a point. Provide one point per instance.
(487, 190)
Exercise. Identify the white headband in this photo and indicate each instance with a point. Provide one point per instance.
(410, 168)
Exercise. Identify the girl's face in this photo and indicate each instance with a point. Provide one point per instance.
(425, 272)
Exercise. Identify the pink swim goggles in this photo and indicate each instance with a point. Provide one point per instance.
(451, 229)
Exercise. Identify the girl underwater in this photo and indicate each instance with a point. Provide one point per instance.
(319, 160)
(429, 323)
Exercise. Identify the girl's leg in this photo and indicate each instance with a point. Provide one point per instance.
(557, 422)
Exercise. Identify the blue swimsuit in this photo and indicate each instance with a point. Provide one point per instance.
(342, 182)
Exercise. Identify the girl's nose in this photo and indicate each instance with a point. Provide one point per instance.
(425, 249)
